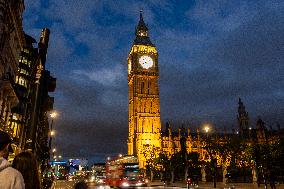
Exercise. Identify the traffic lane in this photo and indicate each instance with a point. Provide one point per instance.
(63, 184)
(70, 185)
(107, 187)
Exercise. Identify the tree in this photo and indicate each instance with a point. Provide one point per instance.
(177, 164)
(212, 149)
(193, 164)
(162, 163)
(151, 155)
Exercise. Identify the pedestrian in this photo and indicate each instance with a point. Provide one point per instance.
(258, 179)
(272, 181)
(10, 178)
(26, 163)
(265, 176)
(81, 185)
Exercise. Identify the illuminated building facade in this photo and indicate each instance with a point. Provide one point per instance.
(144, 105)
(145, 137)
(171, 141)
(11, 42)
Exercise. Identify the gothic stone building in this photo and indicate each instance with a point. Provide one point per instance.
(145, 136)
(11, 43)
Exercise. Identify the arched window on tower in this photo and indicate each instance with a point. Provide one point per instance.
(142, 87)
(149, 85)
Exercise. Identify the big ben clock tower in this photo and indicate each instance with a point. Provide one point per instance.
(144, 107)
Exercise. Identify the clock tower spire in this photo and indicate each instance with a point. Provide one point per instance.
(141, 32)
(144, 136)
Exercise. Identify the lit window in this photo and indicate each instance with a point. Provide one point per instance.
(24, 72)
(15, 129)
(26, 51)
(21, 81)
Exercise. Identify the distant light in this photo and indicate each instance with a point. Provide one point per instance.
(54, 150)
(120, 155)
(59, 157)
(250, 128)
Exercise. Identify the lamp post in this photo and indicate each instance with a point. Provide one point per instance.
(207, 129)
(53, 115)
(53, 154)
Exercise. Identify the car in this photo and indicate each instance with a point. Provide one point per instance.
(71, 177)
(91, 179)
(100, 180)
(130, 182)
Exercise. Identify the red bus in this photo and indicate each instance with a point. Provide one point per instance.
(123, 172)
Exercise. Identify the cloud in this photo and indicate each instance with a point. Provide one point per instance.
(90, 139)
(73, 14)
(244, 62)
(210, 53)
(106, 76)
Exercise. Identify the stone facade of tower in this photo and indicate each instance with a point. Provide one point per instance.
(144, 104)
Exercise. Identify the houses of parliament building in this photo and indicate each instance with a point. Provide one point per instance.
(145, 135)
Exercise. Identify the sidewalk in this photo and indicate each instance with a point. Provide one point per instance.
(220, 185)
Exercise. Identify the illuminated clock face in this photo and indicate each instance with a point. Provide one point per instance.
(146, 61)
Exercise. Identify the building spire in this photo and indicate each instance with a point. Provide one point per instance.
(141, 31)
(243, 118)
(241, 108)
(141, 16)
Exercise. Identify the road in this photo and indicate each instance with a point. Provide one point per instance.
(70, 185)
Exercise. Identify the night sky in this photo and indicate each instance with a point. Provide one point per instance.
(210, 54)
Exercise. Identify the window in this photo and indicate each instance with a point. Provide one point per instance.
(15, 128)
(23, 71)
(21, 81)
(142, 87)
(26, 51)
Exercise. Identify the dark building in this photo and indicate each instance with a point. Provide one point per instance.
(259, 134)
(33, 83)
(23, 83)
(37, 135)
(243, 120)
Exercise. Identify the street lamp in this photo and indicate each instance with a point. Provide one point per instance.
(53, 114)
(52, 133)
(207, 128)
